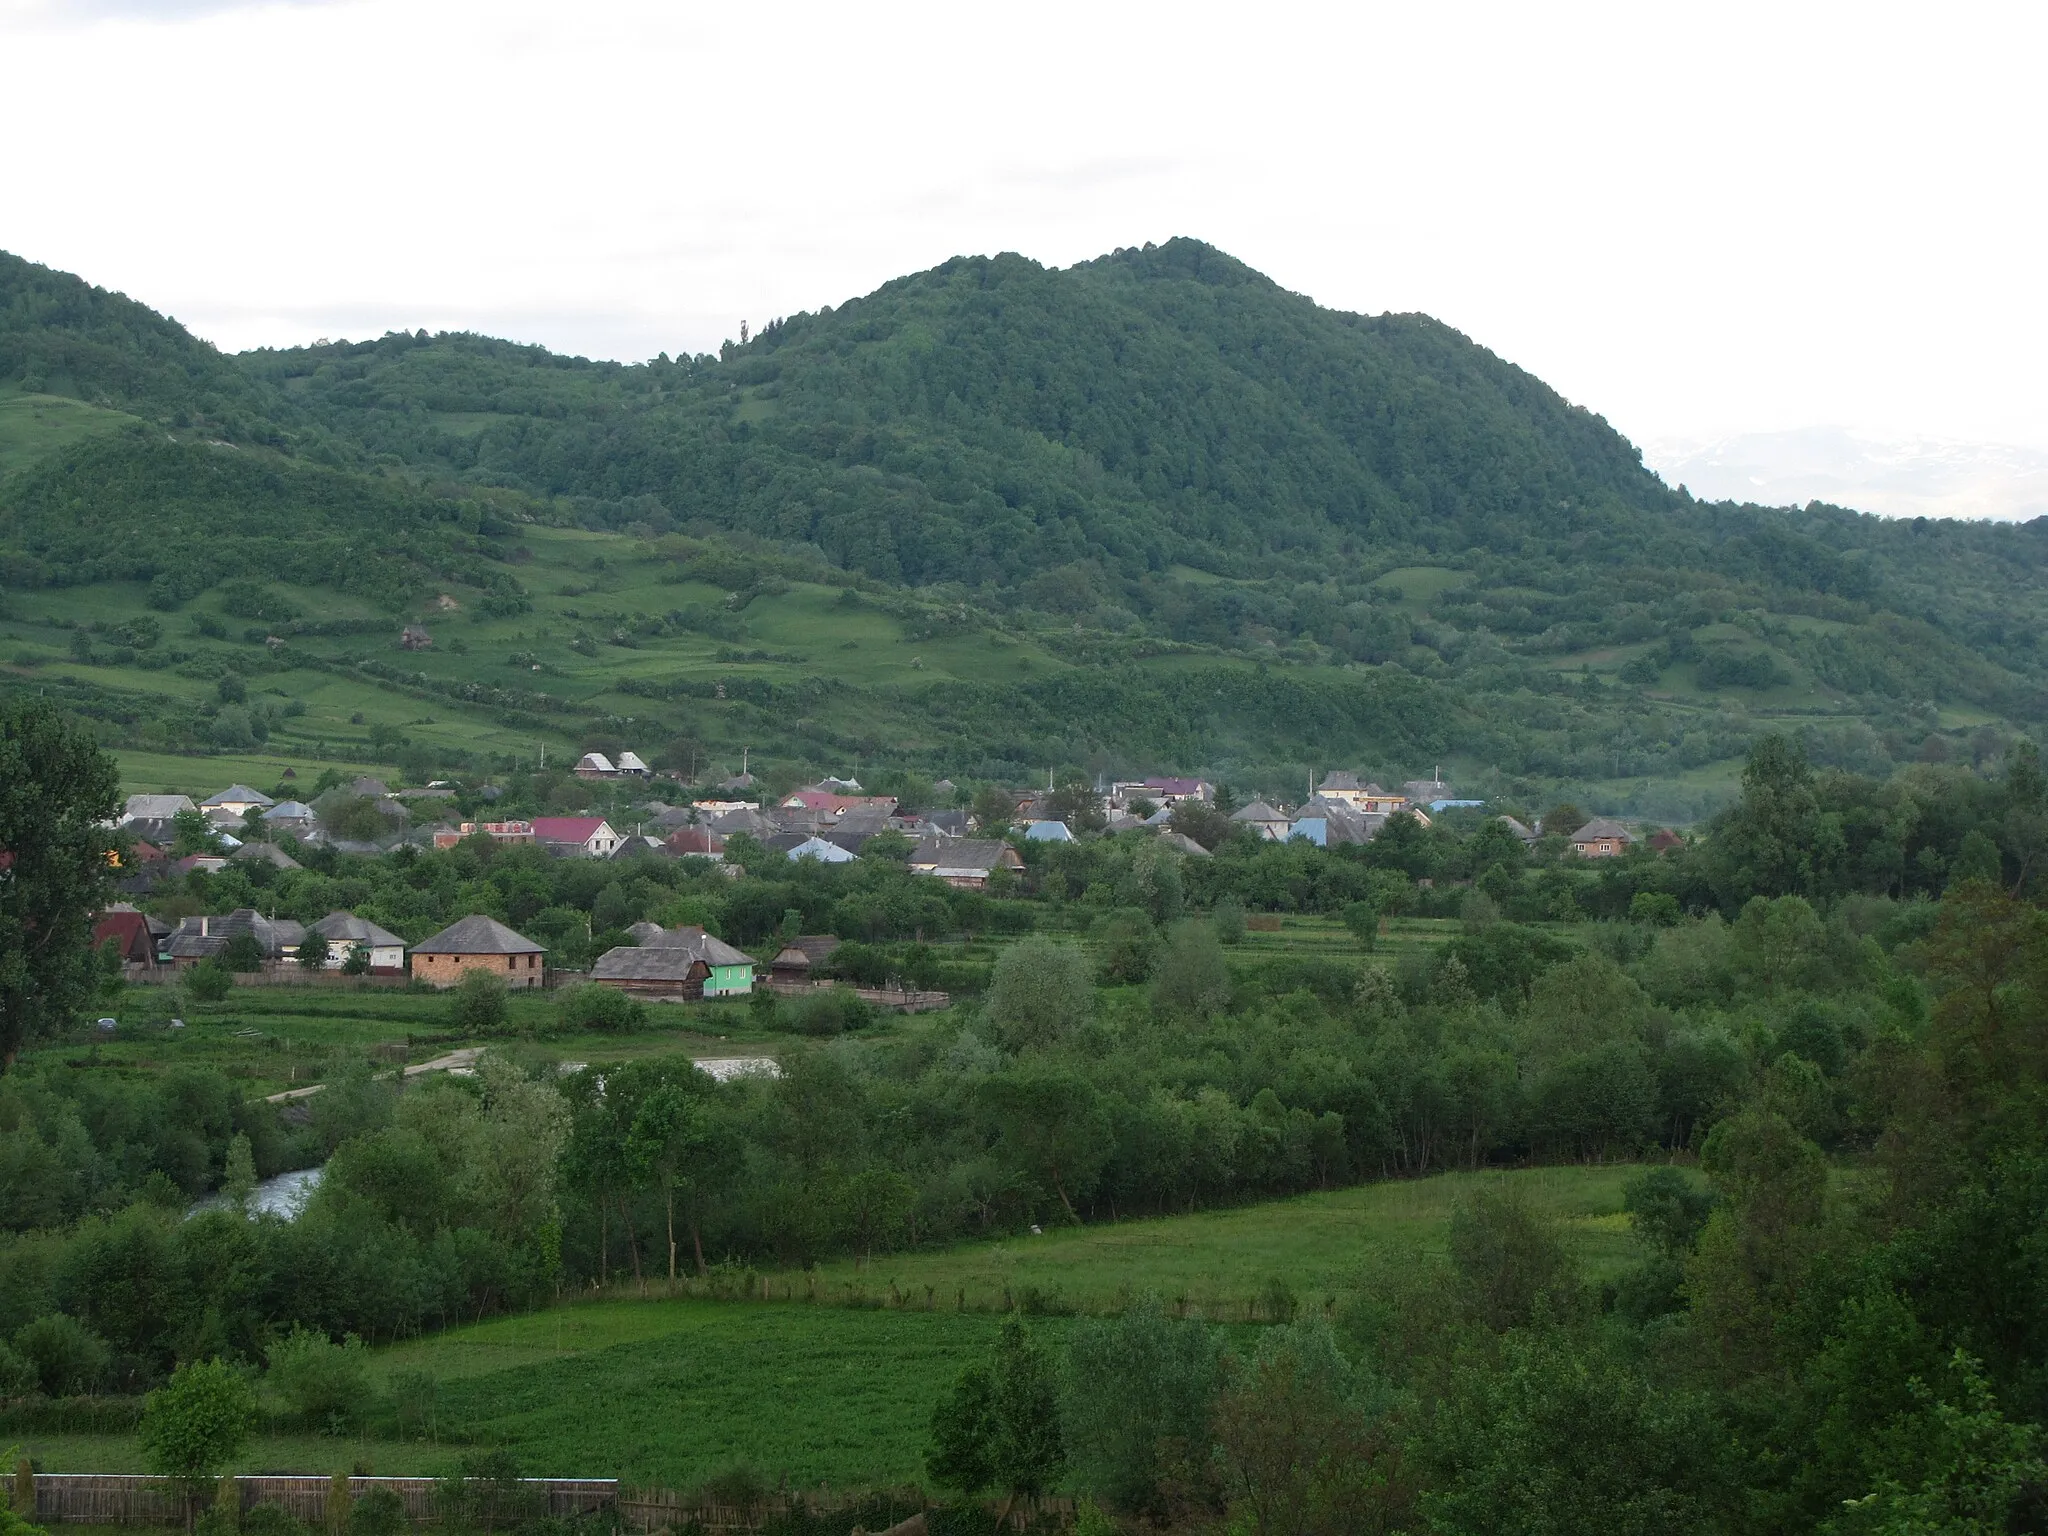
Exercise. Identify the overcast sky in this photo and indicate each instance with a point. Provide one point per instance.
(1700, 221)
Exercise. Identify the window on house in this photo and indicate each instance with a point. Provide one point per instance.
(511, 962)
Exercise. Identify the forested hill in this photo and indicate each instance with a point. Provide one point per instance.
(1158, 449)
(991, 418)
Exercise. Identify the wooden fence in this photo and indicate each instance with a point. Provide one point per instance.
(280, 976)
(97, 1498)
(93, 1498)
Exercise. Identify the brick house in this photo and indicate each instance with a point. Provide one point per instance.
(1601, 838)
(479, 943)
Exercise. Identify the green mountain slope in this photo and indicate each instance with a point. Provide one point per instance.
(1148, 511)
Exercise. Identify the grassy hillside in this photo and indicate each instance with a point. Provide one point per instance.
(1148, 512)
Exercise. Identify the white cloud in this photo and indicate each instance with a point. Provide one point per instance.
(1699, 221)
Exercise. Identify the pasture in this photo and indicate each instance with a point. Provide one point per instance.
(671, 1391)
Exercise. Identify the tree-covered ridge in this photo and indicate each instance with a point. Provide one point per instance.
(60, 335)
(1154, 406)
(185, 515)
(1062, 440)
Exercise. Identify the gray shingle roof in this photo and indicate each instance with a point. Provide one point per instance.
(239, 794)
(653, 962)
(478, 935)
(1599, 827)
(347, 928)
(699, 943)
(960, 853)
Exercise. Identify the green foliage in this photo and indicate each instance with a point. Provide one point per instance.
(1000, 1426)
(589, 1006)
(243, 954)
(477, 1003)
(1192, 982)
(194, 1425)
(1040, 993)
(1228, 919)
(326, 1384)
(1301, 1444)
(379, 1512)
(56, 790)
(1135, 1402)
(1511, 1263)
(66, 1357)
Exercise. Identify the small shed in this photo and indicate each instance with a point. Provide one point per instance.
(802, 957)
(414, 637)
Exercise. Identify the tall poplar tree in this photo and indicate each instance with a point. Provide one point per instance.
(57, 792)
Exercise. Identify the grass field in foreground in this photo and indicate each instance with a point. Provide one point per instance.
(670, 1392)
(1322, 1245)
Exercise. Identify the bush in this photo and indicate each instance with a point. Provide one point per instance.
(270, 1520)
(18, 1376)
(1228, 916)
(326, 1384)
(1659, 909)
(380, 1512)
(209, 981)
(486, 1494)
(589, 1006)
(68, 1358)
(243, 954)
(829, 1011)
(479, 1006)
(1039, 993)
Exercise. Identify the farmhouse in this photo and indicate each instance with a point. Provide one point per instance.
(1520, 830)
(964, 862)
(496, 831)
(1601, 838)
(155, 808)
(675, 962)
(589, 837)
(345, 932)
(202, 938)
(695, 843)
(237, 800)
(1265, 820)
(479, 943)
(128, 931)
(1160, 791)
(1366, 798)
(293, 816)
(594, 765)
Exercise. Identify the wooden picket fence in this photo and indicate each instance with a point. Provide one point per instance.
(118, 1498)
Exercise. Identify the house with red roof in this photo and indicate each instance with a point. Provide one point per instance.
(695, 843)
(586, 837)
(129, 932)
(830, 803)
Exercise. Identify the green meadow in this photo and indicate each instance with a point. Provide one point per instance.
(669, 1391)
